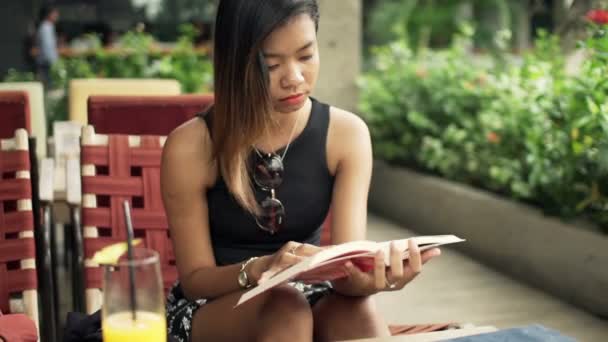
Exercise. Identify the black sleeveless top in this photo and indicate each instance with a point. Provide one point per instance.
(305, 192)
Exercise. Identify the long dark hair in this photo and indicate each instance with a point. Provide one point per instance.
(242, 108)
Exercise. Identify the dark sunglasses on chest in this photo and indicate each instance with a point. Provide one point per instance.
(268, 169)
(268, 175)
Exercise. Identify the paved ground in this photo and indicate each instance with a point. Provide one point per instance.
(454, 287)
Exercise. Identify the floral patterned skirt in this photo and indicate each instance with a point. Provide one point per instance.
(180, 310)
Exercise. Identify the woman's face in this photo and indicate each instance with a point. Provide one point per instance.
(292, 56)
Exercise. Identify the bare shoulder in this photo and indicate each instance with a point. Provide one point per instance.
(348, 137)
(188, 150)
(345, 122)
(187, 141)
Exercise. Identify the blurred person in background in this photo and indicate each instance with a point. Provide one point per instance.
(46, 42)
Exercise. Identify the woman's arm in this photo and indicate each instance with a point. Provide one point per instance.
(187, 171)
(349, 157)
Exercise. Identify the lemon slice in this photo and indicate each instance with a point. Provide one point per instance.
(109, 255)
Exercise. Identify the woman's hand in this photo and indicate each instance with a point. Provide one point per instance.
(291, 253)
(393, 278)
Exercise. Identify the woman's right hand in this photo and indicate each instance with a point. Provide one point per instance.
(290, 254)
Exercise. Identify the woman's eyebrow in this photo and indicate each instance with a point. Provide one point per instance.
(277, 55)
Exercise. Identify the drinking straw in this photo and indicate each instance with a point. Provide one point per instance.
(130, 258)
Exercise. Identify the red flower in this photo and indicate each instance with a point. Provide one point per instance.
(599, 17)
(493, 137)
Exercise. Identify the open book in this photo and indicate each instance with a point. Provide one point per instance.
(328, 264)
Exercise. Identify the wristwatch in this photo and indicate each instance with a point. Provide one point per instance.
(242, 278)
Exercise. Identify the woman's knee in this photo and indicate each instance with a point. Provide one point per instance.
(365, 307)
(285, 312)
(339, 317)
(287, 303)
(362, 307)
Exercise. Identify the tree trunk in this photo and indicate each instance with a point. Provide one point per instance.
(569, 23)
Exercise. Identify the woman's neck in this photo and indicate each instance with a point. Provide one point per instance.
(280, 130)
(283, 122)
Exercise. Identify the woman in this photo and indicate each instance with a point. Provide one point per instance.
(248, 185)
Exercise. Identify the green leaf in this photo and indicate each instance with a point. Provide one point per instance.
(592, 106)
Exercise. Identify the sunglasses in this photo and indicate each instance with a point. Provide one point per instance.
(268, 176)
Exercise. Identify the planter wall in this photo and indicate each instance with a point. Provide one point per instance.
(569, 261)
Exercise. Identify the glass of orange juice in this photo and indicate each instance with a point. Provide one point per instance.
(147, 321)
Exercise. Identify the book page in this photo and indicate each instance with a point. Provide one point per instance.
(332, 259)
(333, 268)
(424, 243)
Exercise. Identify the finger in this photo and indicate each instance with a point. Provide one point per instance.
(415, 260)
(351, 270)
(430, 254)
(285, 260)
(379, 271)
(280, 263)
(307, 250)
(354, 273)
(288, 248)
(396, 271)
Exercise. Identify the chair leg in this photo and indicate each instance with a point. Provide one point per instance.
(68, 244)
(50, 272)
(46, 285)
(78, 294)
(44, 261)
(50, 226)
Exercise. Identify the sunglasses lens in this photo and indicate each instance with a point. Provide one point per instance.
(272, 216)
(268, 172)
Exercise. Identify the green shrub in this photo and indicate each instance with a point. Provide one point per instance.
(522, 129)
(14, 75)
(138, 58)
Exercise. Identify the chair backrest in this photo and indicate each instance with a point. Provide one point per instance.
(117, 168)
(81, 89)
(35, 94)
(143, 115)
(14, 113)
(66, 146)
(18, 288)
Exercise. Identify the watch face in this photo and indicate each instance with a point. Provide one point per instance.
(243, 282)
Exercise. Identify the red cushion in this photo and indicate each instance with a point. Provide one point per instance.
(14, 113)
(18, 328)
(143, 115)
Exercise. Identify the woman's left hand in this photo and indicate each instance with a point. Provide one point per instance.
(382, 278)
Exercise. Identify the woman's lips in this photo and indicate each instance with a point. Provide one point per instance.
(295, 99)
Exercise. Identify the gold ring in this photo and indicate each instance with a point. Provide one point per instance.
(294, 249)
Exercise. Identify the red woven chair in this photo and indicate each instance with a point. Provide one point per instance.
(143, 115)
(116, 168)
(25, 249)
(14, 113)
